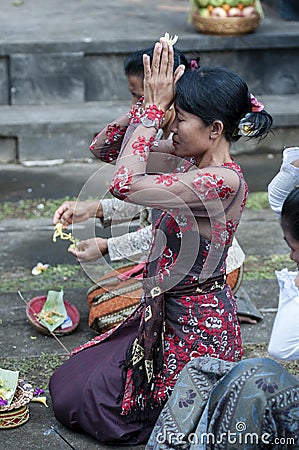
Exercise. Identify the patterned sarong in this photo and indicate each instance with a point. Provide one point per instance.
(220, 405)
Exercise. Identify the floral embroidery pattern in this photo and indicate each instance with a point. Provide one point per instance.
(212, 187)
(198, 324)
(154, 112)
(167, 179)
(245, 198)
(142, 146)
(198, 340)
(188, 400)
(223, 234)
(178, 222)
(184, 165)
(114, 134)
(266, 385)
(167, 260)
(136, 111)
(121, 181)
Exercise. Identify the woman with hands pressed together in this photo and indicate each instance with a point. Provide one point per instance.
(115, 386)
(105, 146)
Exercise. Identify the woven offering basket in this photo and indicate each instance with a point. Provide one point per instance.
(234, 279)
(225, 25)
(17, 413)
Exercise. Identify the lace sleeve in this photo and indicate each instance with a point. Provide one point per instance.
(131, 245)
(117, 211)
(107, 143)
(286, 179)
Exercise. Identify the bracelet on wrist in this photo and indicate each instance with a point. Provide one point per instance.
(153, 117)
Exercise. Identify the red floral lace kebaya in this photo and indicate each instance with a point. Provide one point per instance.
(202, 209)
(121, 181)
(197, 212)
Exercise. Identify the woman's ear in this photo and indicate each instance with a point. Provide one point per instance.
(216, 129)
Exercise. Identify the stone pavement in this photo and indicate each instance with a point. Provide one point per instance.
(258, 234)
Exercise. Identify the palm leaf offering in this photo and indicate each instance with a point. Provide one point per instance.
(53, 313)
(8, 385)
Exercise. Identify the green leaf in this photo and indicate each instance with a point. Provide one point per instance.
(8, 384)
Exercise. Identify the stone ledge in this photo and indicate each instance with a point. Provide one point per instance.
(18, 118)
(43, 131)
(271, 34)
(72, 29)
(284, 108)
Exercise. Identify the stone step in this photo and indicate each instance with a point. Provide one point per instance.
(51, 132)
(64, 131)
(75, 61)
(78, 72)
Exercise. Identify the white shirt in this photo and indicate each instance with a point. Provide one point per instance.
(284, 340)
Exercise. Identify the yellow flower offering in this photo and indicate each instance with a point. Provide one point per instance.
(62, 234)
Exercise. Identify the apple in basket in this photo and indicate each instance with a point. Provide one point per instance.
(218, 12)
(249, 11)
(233, 12)
(203, 12)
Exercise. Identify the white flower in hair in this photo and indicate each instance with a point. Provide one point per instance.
(171, 40)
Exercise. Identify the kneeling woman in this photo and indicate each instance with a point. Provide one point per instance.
(115, 386)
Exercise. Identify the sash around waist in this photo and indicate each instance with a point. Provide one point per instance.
(194, 288)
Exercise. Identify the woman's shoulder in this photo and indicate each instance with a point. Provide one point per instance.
(234, 166)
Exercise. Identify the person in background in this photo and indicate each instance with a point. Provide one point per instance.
(115, 386)
(283, 194)
(252, 404)
(255, 401)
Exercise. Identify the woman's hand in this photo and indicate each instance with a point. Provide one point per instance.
(159, 79)
(90, 249)
(72, 212)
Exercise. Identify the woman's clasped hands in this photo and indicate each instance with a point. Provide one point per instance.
(159, 78)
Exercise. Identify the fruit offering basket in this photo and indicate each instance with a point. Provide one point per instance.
(226, 17)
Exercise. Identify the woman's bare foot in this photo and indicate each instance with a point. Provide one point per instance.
(246, 319)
